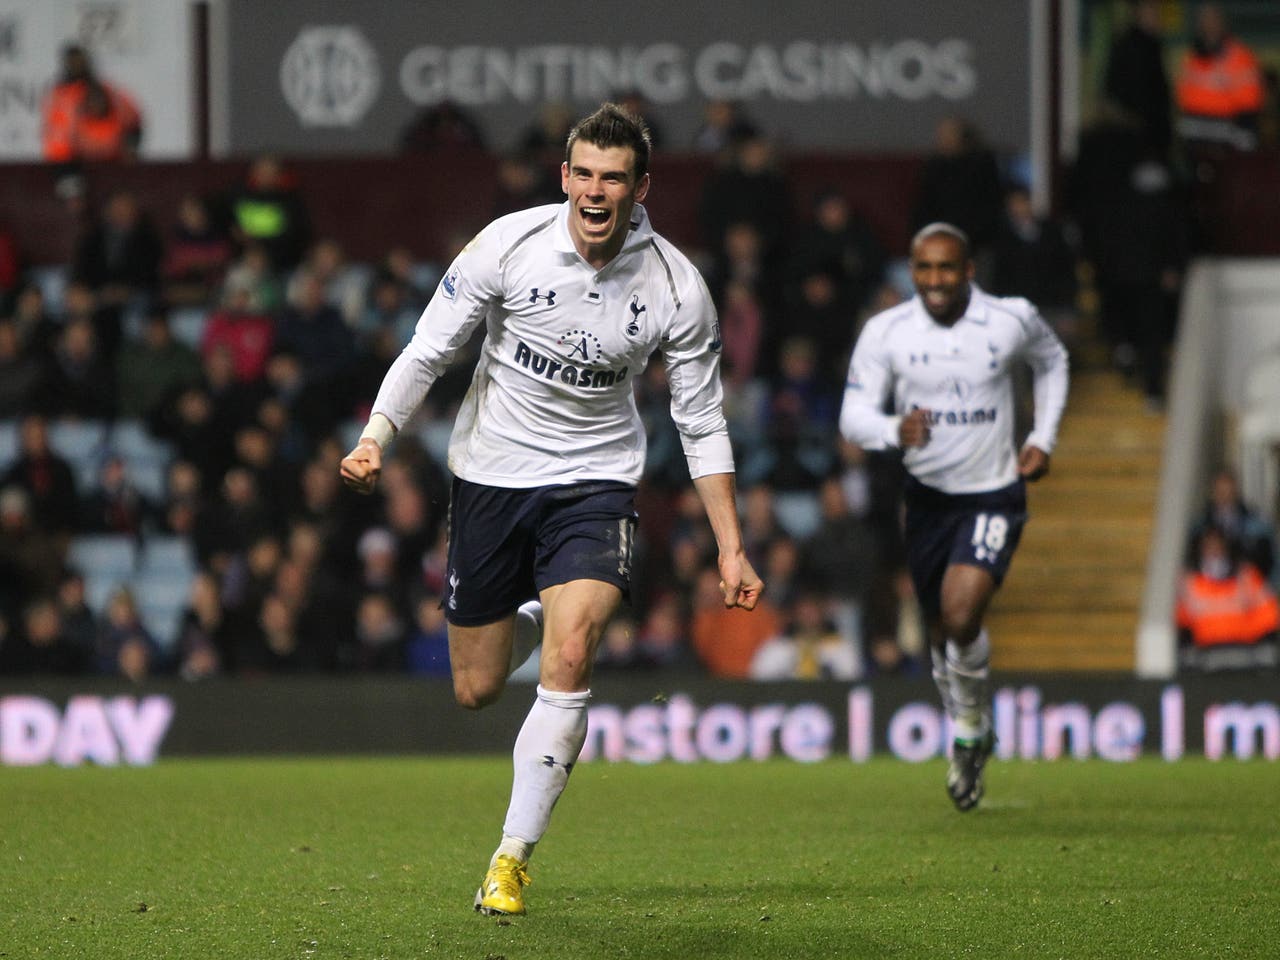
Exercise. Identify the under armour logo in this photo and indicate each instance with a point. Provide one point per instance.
(550, 761)
(995, 355)
(549, 296)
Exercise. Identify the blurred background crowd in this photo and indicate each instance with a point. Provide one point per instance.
(174, 400)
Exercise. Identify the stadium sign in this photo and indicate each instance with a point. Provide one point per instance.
(875, 76)
(104, 722)
(140, 45)
(89, 729)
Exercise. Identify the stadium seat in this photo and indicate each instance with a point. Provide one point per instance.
(162, 599)
(52, 280)
(146, 458)
(107, 562)
(82, 443)
(799, 513)
(165, 553)
(9, 447)
(434, 435)
(187, 325)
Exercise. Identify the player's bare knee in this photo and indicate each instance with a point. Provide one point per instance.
(476, 693)
(960, 626)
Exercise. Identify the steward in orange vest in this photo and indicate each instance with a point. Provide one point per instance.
(1219, 88)
(86, 119)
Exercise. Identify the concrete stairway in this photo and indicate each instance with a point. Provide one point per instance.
(1072, 597)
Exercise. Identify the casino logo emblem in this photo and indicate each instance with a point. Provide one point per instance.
(330, 76)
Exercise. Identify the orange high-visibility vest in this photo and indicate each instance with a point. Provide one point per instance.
(1221, 86)
(69, 134)
(1242, 609)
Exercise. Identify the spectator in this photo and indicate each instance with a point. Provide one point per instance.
(87, 119)
(380, 634)
(244, 331)
(182, 501)
(197, 255)
(545, 138)
(1227, 615)
(46, 479)
(115, 505)
(1033, 259)
(724, 128)
(81, 381)
(524, 180)
(1219, 87)
(960, 184)
(313, 330)
(634, 102)
(343, 285)
(31, 558)
(119, 257)
(618, 648)
(443, 125)
(1136, 80)
(253, 271)
(1251, 537)
(750, 188)
(838, 243)
(10, 270)
(125, 647)
(22, 375)
(37, 329)
(39, 645)
(662, 640)
(427, 651)
(268, 210)
(726, 639)
(842, 558)
(742, 324)
(810, 649)
(800, 420)
(202, 637)
(79, 623)
(152, 368)
(1135, 232)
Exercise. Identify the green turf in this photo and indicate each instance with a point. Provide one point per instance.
(336, 858)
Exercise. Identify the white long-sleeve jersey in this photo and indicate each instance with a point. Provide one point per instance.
(962, 375)
(551, 400)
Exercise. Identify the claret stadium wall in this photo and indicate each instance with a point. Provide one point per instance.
(636, 719)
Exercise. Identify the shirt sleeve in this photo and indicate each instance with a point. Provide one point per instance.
(467, 289)
(867, 389)
(691, 353)
(1047, 356)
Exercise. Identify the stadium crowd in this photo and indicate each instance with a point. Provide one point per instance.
(189, 395)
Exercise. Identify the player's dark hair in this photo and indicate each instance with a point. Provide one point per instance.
(613, 126)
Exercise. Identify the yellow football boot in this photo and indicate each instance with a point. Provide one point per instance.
(502, 892)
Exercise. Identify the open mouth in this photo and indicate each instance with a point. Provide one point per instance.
(595, 216)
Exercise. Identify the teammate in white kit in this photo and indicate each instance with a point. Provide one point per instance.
(548, 448)
(945, 359)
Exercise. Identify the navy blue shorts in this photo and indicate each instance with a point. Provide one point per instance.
(977, 529)
(506, 545)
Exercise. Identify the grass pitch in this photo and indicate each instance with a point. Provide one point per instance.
(379, 858)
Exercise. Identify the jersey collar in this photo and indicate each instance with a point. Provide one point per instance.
(639, 234)
(975, 312)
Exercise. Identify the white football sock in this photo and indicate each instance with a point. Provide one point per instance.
(968, 669)
(546, 750)
(940, 678)
(528, 634)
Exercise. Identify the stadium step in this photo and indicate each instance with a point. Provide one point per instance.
(1071, 599)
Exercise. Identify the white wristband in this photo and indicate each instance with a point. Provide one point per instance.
(380, 430)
